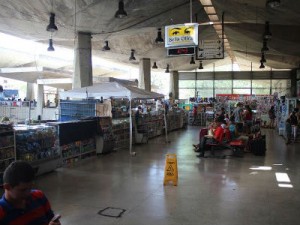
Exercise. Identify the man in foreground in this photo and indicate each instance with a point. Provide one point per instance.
(20, 204)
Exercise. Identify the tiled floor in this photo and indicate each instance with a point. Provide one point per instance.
(209, 192)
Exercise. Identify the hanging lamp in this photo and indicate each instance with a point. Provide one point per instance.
(154, 66)
(167, 69)
(200, 66)
(121, 13)
(265, 46)
(263, 59)
(261, 65)
(51, 48)
(273, 3)
(106, 47)
(131, 58)
(159, 38)
(267, 33)
(192, 60)
(52, 27)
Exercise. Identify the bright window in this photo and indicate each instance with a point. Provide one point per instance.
(205, 84)
(222, 91)
(244, 91)
(261, 84)
(186, 84)
(223, 84)
(186, 93)
(241, 83)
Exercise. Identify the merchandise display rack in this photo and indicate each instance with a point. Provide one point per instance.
(175, 120)
(73, 152)
(121, 133)
(39, 145)
(7, 147)
(76, 139)
(150, 124)
(107, 135)
(200, 119)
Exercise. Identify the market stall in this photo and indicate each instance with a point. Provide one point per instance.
(111, 89)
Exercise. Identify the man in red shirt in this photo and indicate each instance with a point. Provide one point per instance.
(216, 138)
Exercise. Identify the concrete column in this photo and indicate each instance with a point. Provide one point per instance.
(174, 89)
(83, 75)
(40, 100)
(294, 83)
(145, 74)
(29, 91)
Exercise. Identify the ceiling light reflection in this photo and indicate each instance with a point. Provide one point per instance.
(282, 177)
(285, 185)
(261, 168)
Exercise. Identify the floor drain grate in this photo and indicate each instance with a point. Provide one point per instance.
(112, 212)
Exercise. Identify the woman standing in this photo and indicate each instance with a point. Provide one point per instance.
(272, 117)
(247, 115)
(294, 123)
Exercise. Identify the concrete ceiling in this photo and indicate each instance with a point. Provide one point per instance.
(244, 28)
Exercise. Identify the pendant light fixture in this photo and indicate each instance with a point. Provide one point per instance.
(273, 3)
(261, 65)
(106, 47)
(154, 66)
(167, 69)
(267, 33)
(121, 13)
(159, 38)
(265, 47)
(52, 27)
(192, 60)
(50, 48)
(131, 58)
(263, 59)
(200, 66)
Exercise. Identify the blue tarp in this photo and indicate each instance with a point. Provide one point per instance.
(9, 93)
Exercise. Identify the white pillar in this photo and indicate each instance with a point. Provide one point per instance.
(40, 101)
(29, 91)
(145, 74)
(83, 74)
(174, 88)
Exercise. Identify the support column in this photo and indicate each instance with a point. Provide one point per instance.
(40, 101)
(293, 83)
(174, 88)
(83, 75)
(145, 74)
(29, 92)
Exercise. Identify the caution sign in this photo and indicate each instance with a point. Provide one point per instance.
(171, 172)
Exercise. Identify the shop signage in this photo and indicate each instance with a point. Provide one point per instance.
(181, 51)
(181, 35)
(211, 49)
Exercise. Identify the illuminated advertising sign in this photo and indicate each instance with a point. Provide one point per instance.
(181, 51)
(181, 35)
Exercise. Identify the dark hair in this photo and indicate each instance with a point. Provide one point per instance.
(219, 120)
(18, 172)
(248, 108)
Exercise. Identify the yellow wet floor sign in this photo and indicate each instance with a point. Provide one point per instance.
(171, 172)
